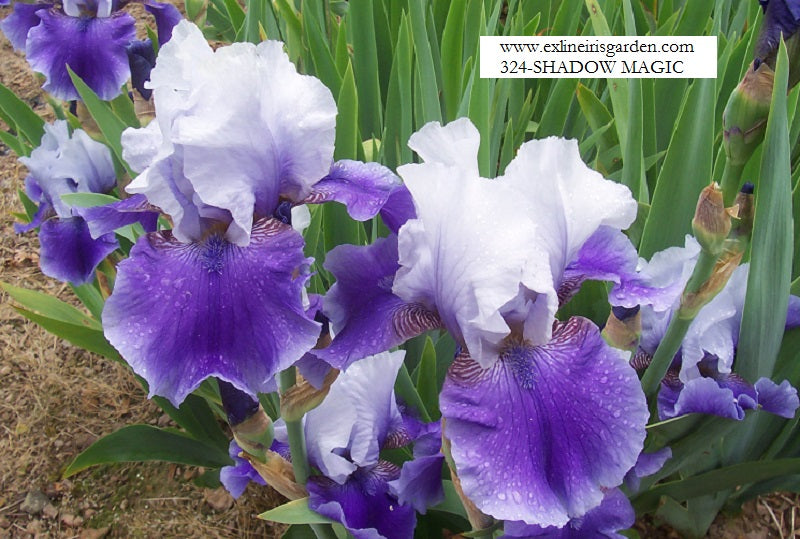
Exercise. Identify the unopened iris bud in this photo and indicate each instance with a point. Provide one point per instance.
(744, 120)
(623, 328)
(712, 222)
(303, 397)
(252, 428)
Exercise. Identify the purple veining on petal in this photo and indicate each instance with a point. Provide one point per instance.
(17, 25)
(182, 312)
(571, 438)
(362, 187)
(779, 399)
(367, 318)
(363, 504)
(68, 252)
(615, 513)
(236, 478)
(95, 49)
(108, 218)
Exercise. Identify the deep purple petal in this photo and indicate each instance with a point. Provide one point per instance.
(646, 464)
(608, 255)
(420, 482)
(604, 521)
(362, 187)
(142, 60)
(779, 399)
(93, 47)
(780, 17)
(68, 252)
(235, 478)
(363, 505)
(367, 317)
(108, 218)
(166, 15)
(793, 313)
(183, 312)
(699, 396)
(17, 25)
(541, 434)
(44, 211)
(398, 209)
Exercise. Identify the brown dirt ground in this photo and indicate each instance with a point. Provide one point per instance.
(57, 399)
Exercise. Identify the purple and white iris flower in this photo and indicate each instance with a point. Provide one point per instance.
(92, 37)
(535, 435)
(700, 379)
(239, 138)
(68, 163)
(369, 496)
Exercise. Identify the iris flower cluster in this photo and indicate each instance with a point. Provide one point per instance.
(542, 419)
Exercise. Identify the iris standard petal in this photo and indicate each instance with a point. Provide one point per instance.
(17, 25)
(471, 251)
(354, 420)
(455, 144)
(95, 49)
(615, 513)
(541, 434)
(68, 252)
(362, 187)
(183, 312)
(366, 317)
(363, 504)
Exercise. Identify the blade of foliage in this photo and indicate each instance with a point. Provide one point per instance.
(426, 73)
(50, 307)
(27, 122)
(768, 283)
(399, 122)
(92, 340)
(452, 57)
(295, 512)
(122, 106)
(324, 65)
(196, 416)
(109, 123)
(407, 392)
(686, 170)
(91, 298)
(556, 109)
(16, 145)
(365, 66)
(426, 377)
(140, 443)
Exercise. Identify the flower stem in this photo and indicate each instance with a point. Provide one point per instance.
(731, 181)
(297, 447)
(678, 326)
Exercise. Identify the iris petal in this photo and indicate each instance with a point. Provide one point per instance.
(541, 434)
(182, 312)
(68, 251)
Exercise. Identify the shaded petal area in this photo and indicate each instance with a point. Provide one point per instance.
(17, 25)
(705, 396)
(166, 16)
(608, 255)
(142, 60)
(646, 464)
(95, 49)
(236, 478)
(363, 504)
(398, 209)
(779, 399)
(68, 252)
(604, 521)
(420, 481)
(362, 187)
(540, 435)
(366, 317)
(182, 312)
(108, 218)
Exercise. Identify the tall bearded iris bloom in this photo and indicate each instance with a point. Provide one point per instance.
(90, 36)
(542, 416)
(239, 137)
(67, 163)
(701, 377)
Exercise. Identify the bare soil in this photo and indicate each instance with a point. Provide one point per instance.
(57, 399)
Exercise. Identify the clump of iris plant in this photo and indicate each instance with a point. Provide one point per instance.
(93, 37)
